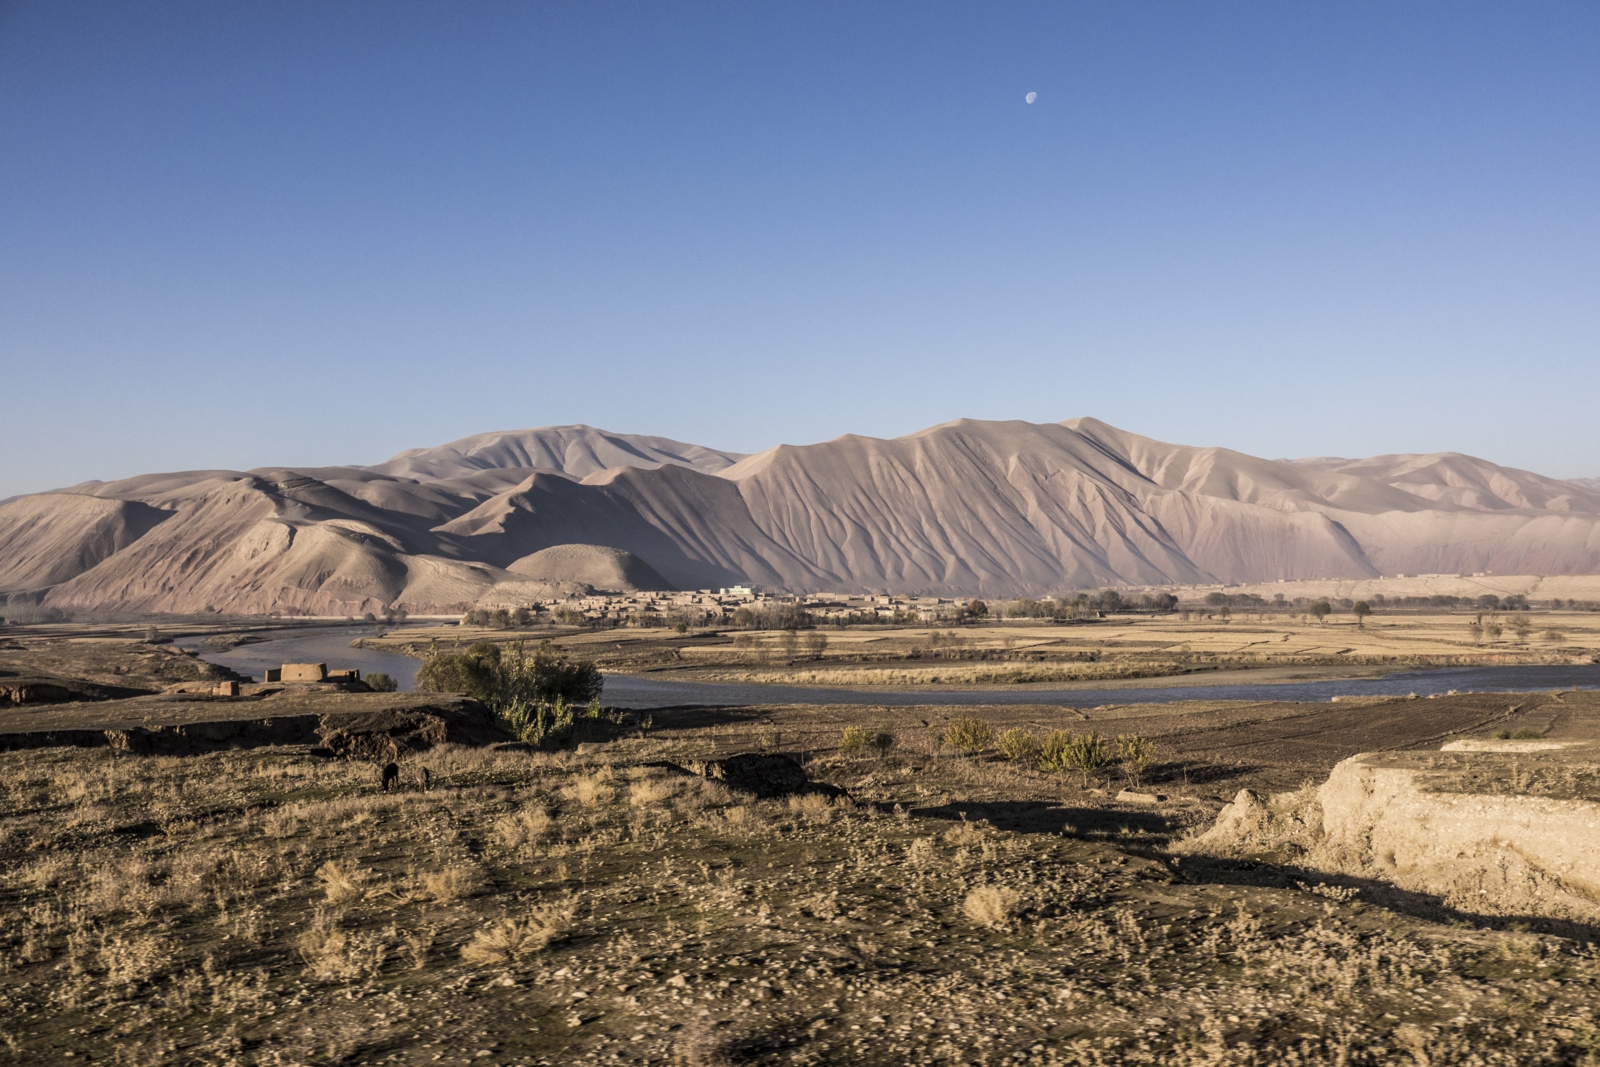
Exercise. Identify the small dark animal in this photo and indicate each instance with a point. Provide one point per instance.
(427, 780)
(391, 776)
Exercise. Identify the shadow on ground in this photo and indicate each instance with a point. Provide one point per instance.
(1208, 870)
(1037, 817)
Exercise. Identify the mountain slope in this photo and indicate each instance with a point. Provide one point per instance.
(965, 508)
(576, 450)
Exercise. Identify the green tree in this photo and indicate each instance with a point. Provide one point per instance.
(1321, 610)
(504, 677)
(1362, 609)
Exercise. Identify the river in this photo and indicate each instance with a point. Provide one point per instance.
(322, 644)
(331, 645)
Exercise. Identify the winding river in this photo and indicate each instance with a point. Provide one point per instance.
(331, 645)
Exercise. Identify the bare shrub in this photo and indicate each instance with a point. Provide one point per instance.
(854, 739)
(323, 947)
(507, 939)
(969, 735)
(920, 851)
(964, 835)
(1018, 745)
(280, 824)
(767, 739)
(991, 905)
(741, 816)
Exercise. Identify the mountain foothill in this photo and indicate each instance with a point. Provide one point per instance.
(966, 508)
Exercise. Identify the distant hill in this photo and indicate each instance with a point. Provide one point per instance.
(965, 508)
(575, 450)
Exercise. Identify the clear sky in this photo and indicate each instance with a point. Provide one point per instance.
(241, 234)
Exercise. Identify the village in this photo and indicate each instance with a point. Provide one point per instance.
(735, 605)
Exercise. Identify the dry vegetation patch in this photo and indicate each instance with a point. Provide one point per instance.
(271, 907)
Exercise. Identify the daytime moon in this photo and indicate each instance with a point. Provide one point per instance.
(1031, 97)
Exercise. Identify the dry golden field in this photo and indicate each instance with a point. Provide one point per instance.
(1018, 652)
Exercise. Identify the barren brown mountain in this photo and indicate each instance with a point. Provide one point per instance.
(991, 508)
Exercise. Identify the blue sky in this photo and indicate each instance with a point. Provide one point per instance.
(235, 235)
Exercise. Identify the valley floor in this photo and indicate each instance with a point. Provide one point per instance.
(272, 905)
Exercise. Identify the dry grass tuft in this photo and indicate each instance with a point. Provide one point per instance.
(342, 882)
(652, 791)
(525, 827)
(991, 905)
(811, 805)
(591, 789)
(452, 883)
(507, 939)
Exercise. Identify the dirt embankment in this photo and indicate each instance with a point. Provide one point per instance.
(1492, 827)
(368, 726)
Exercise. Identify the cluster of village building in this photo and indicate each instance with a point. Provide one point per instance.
(712, 607)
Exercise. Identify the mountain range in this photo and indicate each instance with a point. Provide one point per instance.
(960, 509)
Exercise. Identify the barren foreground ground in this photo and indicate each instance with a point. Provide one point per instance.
(270, 906)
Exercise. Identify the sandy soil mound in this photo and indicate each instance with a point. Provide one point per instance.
(1492, 829)
(592, 565)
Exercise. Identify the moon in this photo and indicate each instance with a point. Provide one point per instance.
(1031, 97)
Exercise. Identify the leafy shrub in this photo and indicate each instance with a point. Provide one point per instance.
(379, 682)
(1018, 745)
(856, 738)
(968, 735)
(503, 677)
(1084, 753)
(1053, 751)
(1136, 753)
(534, 696)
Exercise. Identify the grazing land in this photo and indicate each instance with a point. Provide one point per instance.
(268, 903)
